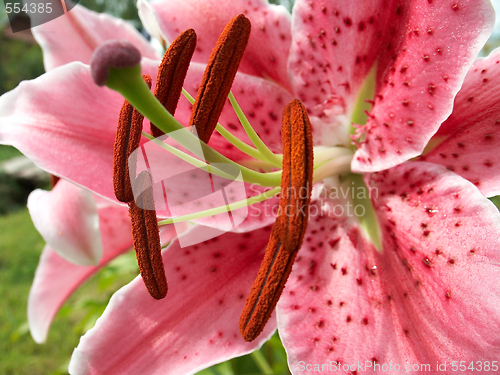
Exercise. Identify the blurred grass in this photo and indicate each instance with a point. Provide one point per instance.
(13, 192)
(8, 152)
(20, 246)
(12, 52)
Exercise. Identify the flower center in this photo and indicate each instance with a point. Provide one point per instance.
(296, 172)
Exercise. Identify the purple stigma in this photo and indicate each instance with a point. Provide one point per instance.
(119, 54)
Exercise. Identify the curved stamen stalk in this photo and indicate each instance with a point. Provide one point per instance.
(221, 209)
(288, 231)
(271, 179)
(240, 145)
(254, 137)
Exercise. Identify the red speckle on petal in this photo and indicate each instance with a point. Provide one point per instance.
(320, 324)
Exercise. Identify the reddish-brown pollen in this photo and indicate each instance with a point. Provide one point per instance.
(147, 238)
(128, 137)
(219, 76)
(288, 231)
(172, 73)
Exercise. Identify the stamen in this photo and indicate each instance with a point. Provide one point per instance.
(146, 238)
(128, 137)
(219, 75)
(288, 231)
(172, 72)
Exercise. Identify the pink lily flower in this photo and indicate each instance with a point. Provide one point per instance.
(416, 286)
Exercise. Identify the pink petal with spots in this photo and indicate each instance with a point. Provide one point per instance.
(267, 51)
(75, 35)
(468, 141)
(422, 51)
(334, 46)
(66, 124)
(430, 295)
(67, 219)
(423, 66)
(195, 326)
(56, 278)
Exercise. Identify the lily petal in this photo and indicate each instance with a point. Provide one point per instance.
(56, 278)
(67, 219)
(195, 326)
(468, 141)
(267, 51)
(430, 295)
(433, 49)
(421, 52)
(75, 35)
